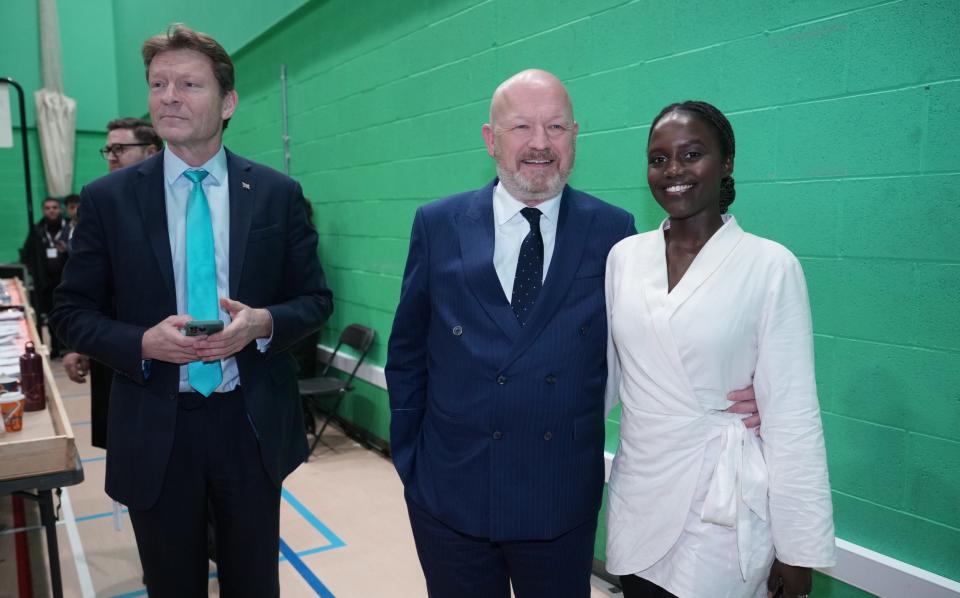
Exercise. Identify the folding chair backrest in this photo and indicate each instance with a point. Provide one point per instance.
(359, 338)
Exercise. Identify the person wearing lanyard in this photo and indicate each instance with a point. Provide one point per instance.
(45, 253)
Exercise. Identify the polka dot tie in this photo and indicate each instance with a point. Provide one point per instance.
(529, 277)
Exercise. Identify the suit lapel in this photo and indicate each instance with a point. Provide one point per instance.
(476, 232)
(149, 190)
(573, 224)
(243, 189)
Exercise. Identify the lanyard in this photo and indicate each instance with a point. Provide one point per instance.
(52, 241)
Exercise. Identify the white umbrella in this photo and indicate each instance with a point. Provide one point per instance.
(56, 113)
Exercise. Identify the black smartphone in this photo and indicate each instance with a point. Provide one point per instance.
(202, 327)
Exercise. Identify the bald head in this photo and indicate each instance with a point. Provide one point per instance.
(532, 136)
(531, 80)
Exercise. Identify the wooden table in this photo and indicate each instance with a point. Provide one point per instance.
(41, 458)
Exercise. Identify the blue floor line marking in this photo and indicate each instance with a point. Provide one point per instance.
(92, 459)
(98, 515)
(335, 541)
(310, 551)
(305, 571)
(82, 423)
(94, 516)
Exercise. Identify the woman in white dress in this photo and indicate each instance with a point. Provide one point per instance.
(698, 505)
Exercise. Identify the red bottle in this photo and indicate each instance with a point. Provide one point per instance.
(31, 379)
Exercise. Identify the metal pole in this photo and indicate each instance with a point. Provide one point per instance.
(285, 137)
(23, 146)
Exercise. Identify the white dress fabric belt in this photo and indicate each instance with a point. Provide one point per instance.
(739, 481)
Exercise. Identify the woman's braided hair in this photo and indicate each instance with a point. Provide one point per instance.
(710, 114)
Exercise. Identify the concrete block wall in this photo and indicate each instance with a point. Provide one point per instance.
(844, 113)
(844, 110)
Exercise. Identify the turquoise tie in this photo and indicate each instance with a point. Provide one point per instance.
(202, 301)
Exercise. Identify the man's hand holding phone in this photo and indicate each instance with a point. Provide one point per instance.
(247, 323)
(167, 342)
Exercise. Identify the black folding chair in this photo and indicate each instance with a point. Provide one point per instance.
(312, 390)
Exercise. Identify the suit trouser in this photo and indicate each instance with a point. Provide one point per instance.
(460, 566)
(101, 380)
(215, 457)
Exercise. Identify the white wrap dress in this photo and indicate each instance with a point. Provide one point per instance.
(698, 504)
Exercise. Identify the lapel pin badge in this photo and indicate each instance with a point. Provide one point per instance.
(245, 185)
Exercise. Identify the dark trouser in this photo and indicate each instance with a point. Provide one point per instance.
(460, 566)
(215, 457)
(101, 379)
(638, 587)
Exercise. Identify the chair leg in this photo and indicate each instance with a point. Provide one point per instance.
(330, 414)
(313, 447)
(309, 421)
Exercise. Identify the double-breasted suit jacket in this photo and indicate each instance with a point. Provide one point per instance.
(497, 429)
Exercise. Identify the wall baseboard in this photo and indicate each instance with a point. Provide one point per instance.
(856, 566)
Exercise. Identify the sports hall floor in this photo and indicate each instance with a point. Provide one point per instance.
(343, 527)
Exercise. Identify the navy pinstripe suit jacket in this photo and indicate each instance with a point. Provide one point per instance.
(497, 429)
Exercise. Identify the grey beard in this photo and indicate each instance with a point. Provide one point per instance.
(523, 190)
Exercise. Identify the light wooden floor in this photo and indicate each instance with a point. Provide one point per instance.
(343, 527)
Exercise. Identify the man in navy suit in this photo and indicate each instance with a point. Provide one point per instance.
(497, 363)
(197, 232)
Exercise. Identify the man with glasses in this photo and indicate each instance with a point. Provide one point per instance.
(129, 140)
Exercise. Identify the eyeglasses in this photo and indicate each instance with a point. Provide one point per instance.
(117, 149)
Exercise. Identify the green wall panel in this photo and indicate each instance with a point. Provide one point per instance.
(87, 55)
(233, 24)
(845, 112)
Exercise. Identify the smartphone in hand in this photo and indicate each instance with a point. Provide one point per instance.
(202, 327)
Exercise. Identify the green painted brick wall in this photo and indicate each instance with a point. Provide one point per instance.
(844, 112)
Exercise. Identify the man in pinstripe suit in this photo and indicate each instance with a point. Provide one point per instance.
(497, 364)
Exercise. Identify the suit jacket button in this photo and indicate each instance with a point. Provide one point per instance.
(550, 379)
(497, 435)
(501, 380)
(548, 435)
(584, 330)
(457, 330)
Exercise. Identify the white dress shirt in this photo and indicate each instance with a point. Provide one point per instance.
(698, 504)
(510, 230)
(176, 191)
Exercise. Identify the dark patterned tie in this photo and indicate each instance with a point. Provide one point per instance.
(529, 277)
